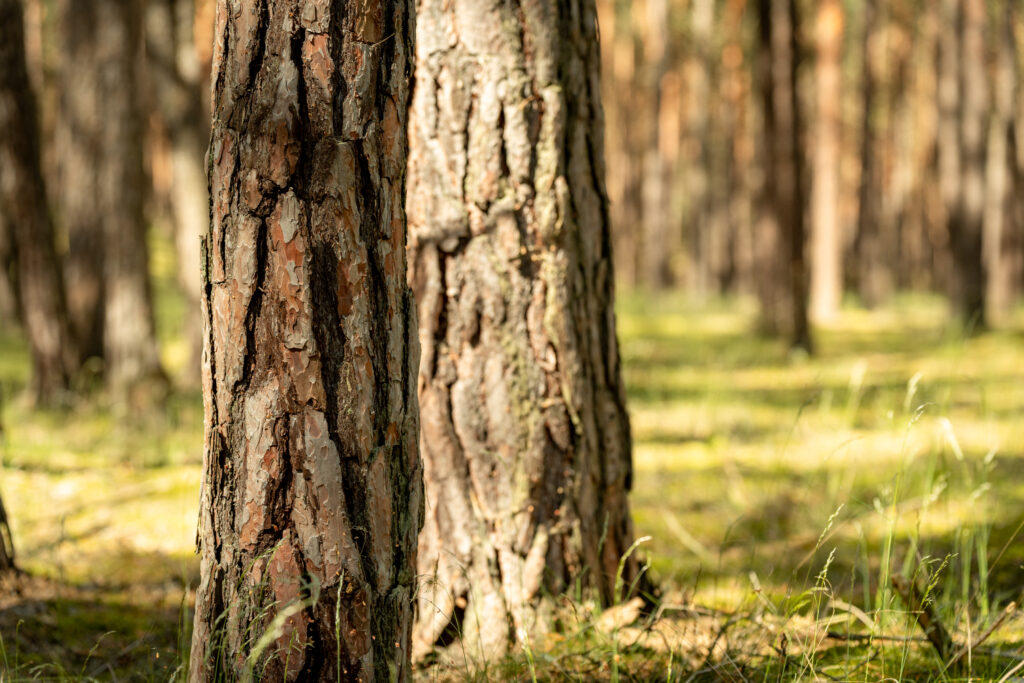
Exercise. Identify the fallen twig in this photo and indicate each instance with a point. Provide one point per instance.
(1010, 609)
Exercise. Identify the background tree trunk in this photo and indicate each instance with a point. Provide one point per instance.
(872, 280)
(103, 186)
(966, 220)
(657, 239)
(174, 64)
(25, 220)
(129, 335)
(311, 493)
(783, 282)
(79, 143)
(525, 435)
(826, 238)
(998, 216)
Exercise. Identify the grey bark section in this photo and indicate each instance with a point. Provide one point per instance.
(525, 435)
(311, 499)
(29, 255)
(174, 64)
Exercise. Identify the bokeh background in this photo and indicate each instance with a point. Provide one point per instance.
(819, 242)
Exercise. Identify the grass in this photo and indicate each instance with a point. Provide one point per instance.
(780, 492)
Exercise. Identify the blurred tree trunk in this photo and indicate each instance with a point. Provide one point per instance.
(736, 94)
(8, 303)
(872, 276)
(104, 190)
(705, 237)
(782, 270)
(174, 64)
(311, 499)
(26, 223)
(525, 435)
(6, 538)
(656, 227)
(826, 240)
(79, 143)
(624, 174)
(966, 219)
(998, 215)
(129, 336)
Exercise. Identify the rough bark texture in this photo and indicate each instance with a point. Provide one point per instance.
(173, 61)
(30, 258)
(826, 239)
(312, 497)
(783, 278)
(104, 190)
(525, 436)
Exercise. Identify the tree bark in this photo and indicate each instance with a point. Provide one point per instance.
(79, 141)
(657, 242)
(783, 278)
(625, 173)
(104, 190)
(26, 222)
(174, 63)
(998, 217)
(826, 239)
(525, 435)
(872, 277)
(129, 336)
(966, 220)
(311, 499)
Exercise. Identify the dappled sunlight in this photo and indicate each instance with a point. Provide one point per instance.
(898, 434)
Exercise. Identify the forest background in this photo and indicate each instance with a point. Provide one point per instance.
(818, 233)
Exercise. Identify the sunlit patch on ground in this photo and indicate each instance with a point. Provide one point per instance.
(780, 492)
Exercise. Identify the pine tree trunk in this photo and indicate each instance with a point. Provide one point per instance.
(656, 226)
(104, 187)
(174, 63)
(80, 128)
(525, 436)
(999, 171)
(312, 496)
(871, 273)
(783, 278)
(129, 335)
(826, 240)
(966, 220)
(25, 220)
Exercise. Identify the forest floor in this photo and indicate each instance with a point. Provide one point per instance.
(779, 492)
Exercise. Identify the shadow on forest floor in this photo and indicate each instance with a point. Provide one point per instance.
(774, 487)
